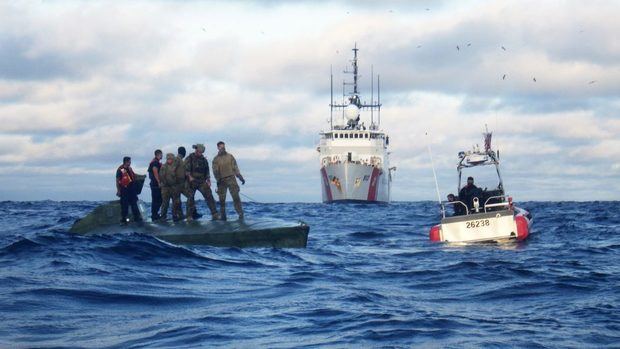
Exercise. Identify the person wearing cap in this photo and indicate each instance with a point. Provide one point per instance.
(468, 192)
(199, 177)
(127, 191)
(168, 182)
(225, 171)
(153, 170)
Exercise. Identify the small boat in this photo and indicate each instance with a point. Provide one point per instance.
(251, 232)
(484, 215)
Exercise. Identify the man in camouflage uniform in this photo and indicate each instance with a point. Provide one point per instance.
(167, 183)
(181, 186)
(197, 171)
(225, 170)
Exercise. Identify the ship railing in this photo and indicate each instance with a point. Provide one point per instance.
(452, 203)
(506, 202)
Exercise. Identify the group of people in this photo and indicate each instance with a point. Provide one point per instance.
(466, 196)
(180, 175)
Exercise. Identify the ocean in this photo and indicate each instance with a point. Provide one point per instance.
(369, 278)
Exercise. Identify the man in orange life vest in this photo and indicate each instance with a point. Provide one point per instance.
(127, 190)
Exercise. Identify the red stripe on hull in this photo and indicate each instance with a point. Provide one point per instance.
(372, 188)
(326, 187)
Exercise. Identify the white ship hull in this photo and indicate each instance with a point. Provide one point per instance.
(350, 181)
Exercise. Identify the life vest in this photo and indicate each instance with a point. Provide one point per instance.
(127, 177)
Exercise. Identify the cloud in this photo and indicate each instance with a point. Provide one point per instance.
(82, 84)
(68, 147)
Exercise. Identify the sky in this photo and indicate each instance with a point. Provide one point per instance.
(84, 83)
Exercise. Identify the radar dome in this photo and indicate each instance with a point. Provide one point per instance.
(351, 112)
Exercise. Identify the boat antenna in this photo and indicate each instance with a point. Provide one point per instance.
(430, 153)
(378, 100)
(355, 49)
(372, 90)
(331, 97)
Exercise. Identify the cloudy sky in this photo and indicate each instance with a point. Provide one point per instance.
(84, 83)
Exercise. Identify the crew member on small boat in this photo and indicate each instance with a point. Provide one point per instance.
(168, 183)
(458, 208)
(468, 192)
(153, 171)
(197, 169)
(182, 185)
(127, 190)
(225, 170)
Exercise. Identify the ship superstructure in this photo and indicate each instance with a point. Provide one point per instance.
(354, 156)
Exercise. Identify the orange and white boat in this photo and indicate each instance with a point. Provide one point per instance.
(484, 215)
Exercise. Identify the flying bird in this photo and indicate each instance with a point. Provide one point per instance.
(534, 79)
(204, 30)
(504, 77)
(503, 48)
(419, 46)
(469, 44)
(428, 9)
(591, 82)
(458, 48)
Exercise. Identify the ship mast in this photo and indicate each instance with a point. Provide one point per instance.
(354, 98)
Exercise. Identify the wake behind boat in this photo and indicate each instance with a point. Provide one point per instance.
(481, 215)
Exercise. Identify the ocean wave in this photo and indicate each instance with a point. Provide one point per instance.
(371, 282)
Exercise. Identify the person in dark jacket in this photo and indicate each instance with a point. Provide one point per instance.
(468, 192)
(459, 209)
(156, 200)
(127, 191)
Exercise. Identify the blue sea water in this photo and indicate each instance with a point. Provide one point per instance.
(368, 278)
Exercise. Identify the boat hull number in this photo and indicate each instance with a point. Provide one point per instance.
(478, 223)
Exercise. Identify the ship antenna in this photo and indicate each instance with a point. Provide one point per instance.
(354, 96)
(430, 153)
(378, 100)
(343, 84)
(355, 49)
(331, 98)
(372, 90)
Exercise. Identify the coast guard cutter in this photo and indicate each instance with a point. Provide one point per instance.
(354, 156)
